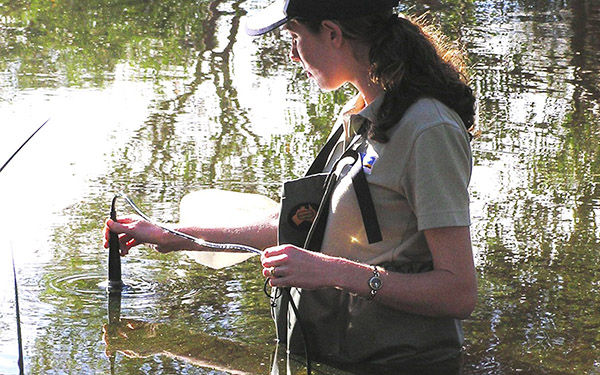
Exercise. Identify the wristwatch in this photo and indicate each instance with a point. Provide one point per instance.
(375, 283)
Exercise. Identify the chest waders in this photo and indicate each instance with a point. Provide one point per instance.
(339, 327)
(303, 218)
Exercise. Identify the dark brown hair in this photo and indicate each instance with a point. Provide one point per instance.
(408, 63)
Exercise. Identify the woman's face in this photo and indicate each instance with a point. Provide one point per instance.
(317, 54)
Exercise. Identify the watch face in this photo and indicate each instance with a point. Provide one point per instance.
(375, 283)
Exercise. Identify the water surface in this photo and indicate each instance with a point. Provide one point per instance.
(161, 98)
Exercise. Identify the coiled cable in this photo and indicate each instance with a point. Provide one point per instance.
(198, 241)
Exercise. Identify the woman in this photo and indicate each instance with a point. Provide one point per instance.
(375, 238)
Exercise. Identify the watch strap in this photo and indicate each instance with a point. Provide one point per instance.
(374, 283)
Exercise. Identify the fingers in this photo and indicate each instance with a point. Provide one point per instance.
(275, 272)
(123, 245)
(273, 256)
(126, 242)
(274, 261)
(126, 229)
(277, 256)
(275, 264)
(278, 276)
(111, 226)
(118, 226)
(289, 265)
(277, 250)
(106, 233)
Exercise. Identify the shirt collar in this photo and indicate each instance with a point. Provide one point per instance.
(370, 111)
(358, 112)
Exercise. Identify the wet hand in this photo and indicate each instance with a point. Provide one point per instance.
(288, 265)
(134, 231)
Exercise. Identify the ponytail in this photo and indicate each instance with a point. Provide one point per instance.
(408, 63)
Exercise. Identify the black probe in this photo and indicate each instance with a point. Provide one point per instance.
(114, 255)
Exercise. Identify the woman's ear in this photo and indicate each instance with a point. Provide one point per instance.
(333, 32)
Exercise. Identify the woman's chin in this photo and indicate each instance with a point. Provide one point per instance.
(326, 87)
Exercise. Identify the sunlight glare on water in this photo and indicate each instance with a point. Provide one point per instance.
(163, 98)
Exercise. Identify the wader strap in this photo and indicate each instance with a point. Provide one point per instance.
(319, 164)
(365, 202)
(314, 239)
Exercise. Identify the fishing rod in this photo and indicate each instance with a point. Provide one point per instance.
(24, 143)
(18, 314)
(19, 337)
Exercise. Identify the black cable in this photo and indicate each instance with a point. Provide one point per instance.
(196, 240)
(302, 330)
(273, 298)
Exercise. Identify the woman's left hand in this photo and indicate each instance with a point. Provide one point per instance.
(288, 265)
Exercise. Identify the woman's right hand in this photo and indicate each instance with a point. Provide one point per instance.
(135, 231)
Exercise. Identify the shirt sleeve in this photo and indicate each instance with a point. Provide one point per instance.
(437, 177)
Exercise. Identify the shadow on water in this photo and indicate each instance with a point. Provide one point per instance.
(536, 187)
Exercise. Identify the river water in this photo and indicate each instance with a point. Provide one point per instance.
(162, 98)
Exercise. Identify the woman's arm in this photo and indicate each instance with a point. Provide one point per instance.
(256, 231)
(449, 290)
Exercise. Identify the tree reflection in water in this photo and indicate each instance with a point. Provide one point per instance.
(536, 67)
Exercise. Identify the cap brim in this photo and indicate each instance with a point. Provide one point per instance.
(267, 19)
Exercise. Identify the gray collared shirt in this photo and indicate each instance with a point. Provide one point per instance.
(418, 181)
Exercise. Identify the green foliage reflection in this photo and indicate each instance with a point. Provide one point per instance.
(77, 42)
